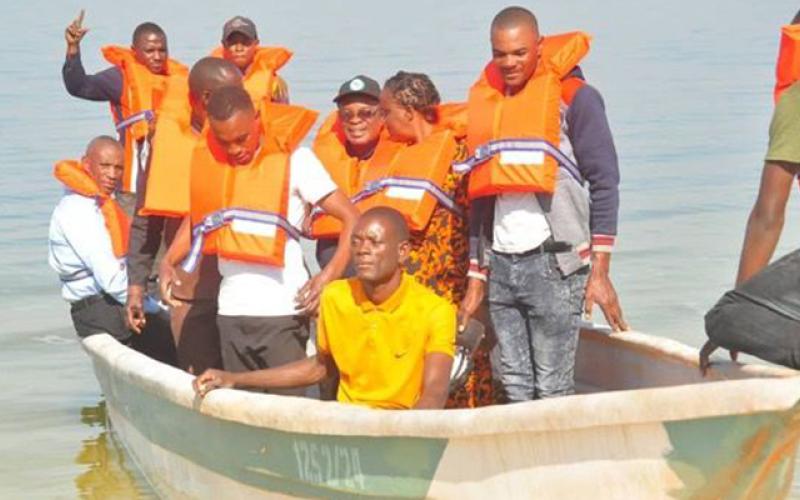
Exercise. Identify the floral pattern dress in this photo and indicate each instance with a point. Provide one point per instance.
(439, 259)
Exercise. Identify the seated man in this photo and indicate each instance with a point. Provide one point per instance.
(87, 246)
(390, 339)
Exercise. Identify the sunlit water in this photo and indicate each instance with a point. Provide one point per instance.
(687, 85)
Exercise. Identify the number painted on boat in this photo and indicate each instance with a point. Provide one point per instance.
(333, 465)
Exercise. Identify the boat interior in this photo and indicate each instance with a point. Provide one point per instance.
(609, 361)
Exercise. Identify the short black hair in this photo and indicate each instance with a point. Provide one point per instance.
(147, 28)
(227, 101)
(211, 73)
(515, 16)
(796, 18)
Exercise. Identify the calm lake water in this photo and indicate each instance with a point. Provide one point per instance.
(687, 85)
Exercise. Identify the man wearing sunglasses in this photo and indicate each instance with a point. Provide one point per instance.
(345, 144)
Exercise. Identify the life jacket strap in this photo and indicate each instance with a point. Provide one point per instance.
(374, 187)
(487, 151)
(147, 114)
(220, 218)
(75, 276)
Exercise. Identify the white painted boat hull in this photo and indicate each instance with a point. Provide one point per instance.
(647, 426)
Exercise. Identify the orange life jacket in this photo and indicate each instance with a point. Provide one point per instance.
(173, 144)
(142, 95)
(514, 140)
(239, 212)
(412, 179)
(346, 171)
(72, 174)
(787, 70)
(259, 79)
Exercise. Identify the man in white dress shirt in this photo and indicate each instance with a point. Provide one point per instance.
(82, 251)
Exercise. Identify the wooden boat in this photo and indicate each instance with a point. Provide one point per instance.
(646, 425)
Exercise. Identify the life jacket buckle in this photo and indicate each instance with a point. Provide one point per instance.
(213, 221)
(372, 186)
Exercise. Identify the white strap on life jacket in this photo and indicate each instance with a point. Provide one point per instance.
(216, 220)
(486, 151)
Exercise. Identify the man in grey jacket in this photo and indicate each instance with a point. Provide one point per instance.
(535, 250)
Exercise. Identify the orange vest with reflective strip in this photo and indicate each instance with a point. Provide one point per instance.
(346, 171)
(245, 206)
(787, 70)
(513, 140)
(72, 174)
(142, 95)
(173, 144)
(412, 179)
(259, 79)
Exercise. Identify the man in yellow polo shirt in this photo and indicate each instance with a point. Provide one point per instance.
(390, 339)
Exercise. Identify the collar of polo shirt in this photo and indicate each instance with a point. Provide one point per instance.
(389, 305)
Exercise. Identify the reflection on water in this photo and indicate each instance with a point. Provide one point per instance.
(109, 471)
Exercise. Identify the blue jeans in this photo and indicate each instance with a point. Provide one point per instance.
(536, 315)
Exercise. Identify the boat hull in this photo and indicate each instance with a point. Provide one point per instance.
(730, 438)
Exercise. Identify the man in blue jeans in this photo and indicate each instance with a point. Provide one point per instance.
(535, 250)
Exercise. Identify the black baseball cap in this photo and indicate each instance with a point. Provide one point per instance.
(239, 24)
(359, 85)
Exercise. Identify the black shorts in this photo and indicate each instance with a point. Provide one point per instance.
(257, 342)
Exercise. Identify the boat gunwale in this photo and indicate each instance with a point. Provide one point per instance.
(676, 351)
(569, 413)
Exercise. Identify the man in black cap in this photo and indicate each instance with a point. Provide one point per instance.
(259, 65)
(345, 144)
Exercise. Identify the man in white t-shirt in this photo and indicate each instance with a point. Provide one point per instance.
(264, 310)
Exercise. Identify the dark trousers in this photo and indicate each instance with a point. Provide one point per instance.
(103, 314)
(256, 342)
(536, 316)
(100, 314)
(762, 316)
(194, 327)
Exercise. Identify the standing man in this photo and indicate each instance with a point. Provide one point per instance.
(259, 65)
(544, 185)
(761, 316)
(345, 144)
(87, 245)
(162, 204)
(133, 86)
(250, 184)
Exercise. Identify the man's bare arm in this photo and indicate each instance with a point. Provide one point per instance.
(167, 276)
(298, 374)
(764, 227)
(339, 206)
(766, 219)
(436, 381)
